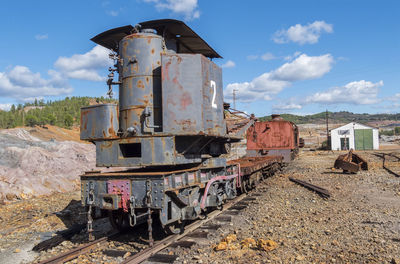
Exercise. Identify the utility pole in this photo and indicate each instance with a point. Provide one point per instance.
(327, 131)
(234, 98)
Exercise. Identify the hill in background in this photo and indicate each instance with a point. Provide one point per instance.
(66, 113)
(339, 117)
(62, 113)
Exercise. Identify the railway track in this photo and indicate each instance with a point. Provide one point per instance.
(151, 252)
(383, 157)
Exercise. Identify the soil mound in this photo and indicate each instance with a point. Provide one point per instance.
(40, 161)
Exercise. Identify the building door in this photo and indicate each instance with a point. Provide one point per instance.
(344, 143)
(363, 139)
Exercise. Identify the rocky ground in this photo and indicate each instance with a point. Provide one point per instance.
(40, 161)
(360, 223)
(286, 223)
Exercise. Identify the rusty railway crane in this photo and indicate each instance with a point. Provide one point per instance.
(167, 134)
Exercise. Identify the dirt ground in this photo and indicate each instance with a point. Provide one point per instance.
(286, 223)
(360, 223)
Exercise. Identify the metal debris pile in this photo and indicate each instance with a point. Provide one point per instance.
(350, 162)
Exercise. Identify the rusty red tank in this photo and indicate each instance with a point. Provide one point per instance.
(275, 137)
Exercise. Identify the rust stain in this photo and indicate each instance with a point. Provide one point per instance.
(106, 145)
(84, 119)
(171, 101)
(143, 101)
(130, 87)
(186, 100)
(152, 51)
(164, 71)
(153, 152)
(140, 84)
(186, 124)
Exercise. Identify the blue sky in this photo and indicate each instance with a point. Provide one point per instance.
(280, 56)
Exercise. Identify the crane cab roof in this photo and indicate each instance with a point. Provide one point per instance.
(187, 40)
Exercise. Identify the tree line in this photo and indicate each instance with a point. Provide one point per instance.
(338, 117)
(63, 113)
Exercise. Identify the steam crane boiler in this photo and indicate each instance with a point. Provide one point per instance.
(168, 130)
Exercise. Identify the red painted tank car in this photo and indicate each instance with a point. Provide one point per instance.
(276, 137)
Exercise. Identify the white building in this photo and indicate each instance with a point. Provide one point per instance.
(354, 136)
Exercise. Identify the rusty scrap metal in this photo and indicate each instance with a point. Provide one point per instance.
(350, 162)
(321, 191)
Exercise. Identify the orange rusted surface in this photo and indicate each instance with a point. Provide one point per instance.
(268, 135)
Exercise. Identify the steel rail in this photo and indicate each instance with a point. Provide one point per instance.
(148, 252)
(321, 191)
(75, 252)
(386, 168)
(383, 157)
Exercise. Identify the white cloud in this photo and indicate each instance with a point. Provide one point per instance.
(268, 84)
(188, 8)
(228, 64)
(304, 68)
(22, 84)
(286, 107)
(252, 57)
(268, 56)
(291, 57)
(303, 34)
(41, 36)
(85, 66)
(358, 92)
(113, 13)
(5, 107)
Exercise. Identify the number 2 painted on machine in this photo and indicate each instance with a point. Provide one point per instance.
(214, 86)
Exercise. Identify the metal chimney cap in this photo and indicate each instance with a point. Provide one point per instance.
(276, 117)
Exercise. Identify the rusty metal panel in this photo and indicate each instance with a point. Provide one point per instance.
(272, 135)
(99, 122)
(142, 151)
(192, 96)
(140, 70)
(122, 188)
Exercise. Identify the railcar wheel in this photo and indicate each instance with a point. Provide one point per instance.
(230, 189)
(117, 219)
(174, 228)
